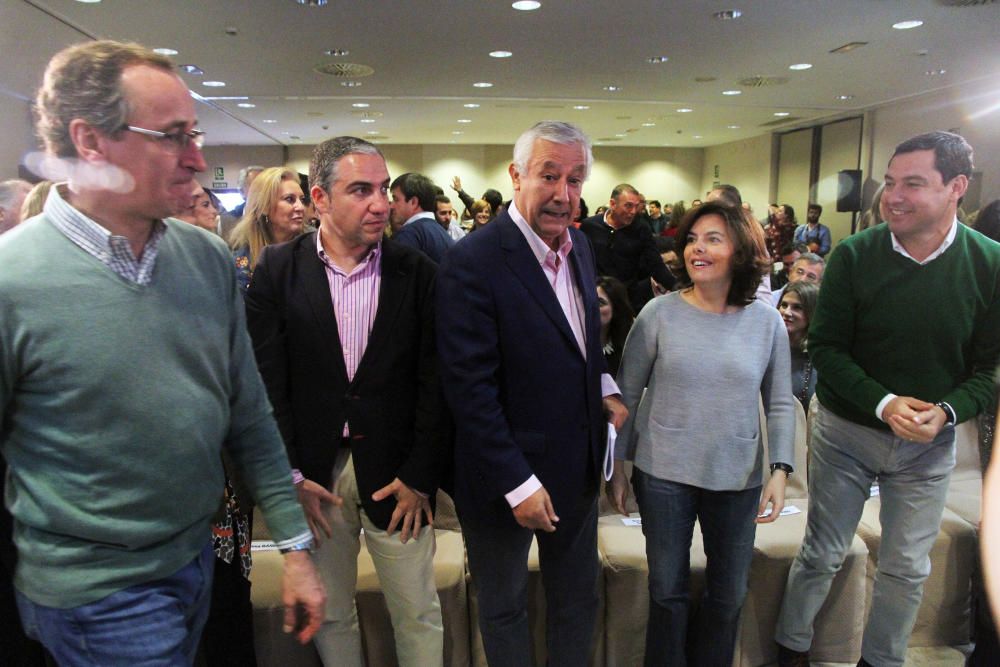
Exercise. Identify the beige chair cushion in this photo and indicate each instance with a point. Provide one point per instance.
(965, 491)
(943, 618)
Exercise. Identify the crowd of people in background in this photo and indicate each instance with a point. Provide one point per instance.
(518, 328)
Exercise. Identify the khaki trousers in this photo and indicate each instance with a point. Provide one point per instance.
(405, 572)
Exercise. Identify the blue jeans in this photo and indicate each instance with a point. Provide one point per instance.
(158, 623)
(728, 526)
(913, 481)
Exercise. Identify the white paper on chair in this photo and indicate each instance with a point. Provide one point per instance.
(609, 452)
(632, 521)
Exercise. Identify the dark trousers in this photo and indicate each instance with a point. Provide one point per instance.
(569, 564)
(728, 527)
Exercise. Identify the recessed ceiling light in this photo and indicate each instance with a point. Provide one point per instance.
(526, 5)
(581, 107)
(457, 132)
(732, 92)
(781, 114)
(935, 72)
(733, 127)
(843, 98)
(214, 84)
(500, 54)
(684, 110)
(89, 2)
(656, 60)
(482, 84)
(312, 3)
(246, 105)
(192, 69)
(294, 137)
(800, 66)
(373, 132)
(464, 120)
(351, 84)
(728, 15)
(621, 134)
(907, 25)
(471, 105)
(696, 136)
(336, 52)
(367, 120)
(165, 52)
(613, 89)
(361, 105)
(269, 120)
(649, 124)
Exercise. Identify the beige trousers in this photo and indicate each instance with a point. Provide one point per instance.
(405, 572)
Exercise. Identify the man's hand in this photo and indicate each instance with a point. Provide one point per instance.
(456, 184)
(617, 488)
(913, 419)
(409, 507)
(773, 493)
(615, 411)
(311, 497)
(301, 588)
(536, 512)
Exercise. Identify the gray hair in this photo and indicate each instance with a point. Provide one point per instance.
(323, 165)
(11, 191)
(241, 180)
(557, 132)
(811, 258)
(84, 81)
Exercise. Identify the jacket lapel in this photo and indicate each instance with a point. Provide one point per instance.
(317, 290)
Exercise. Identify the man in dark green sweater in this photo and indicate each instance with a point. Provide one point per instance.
(125, 368)
(904, 340)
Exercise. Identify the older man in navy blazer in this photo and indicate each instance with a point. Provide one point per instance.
(524, 374)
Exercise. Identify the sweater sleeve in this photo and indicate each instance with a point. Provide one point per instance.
(776, 392)
(831, 336)
(638, 359)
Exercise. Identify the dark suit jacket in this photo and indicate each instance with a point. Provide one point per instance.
(394, 404)
(426, 235)
(629, 254)
(525, 400)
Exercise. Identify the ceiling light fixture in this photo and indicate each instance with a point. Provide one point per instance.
(368, 120)
(935, 72)
(733, 127)
(907, 25)
(649, 124)
(89, 2)
(580, 107)
(214, 84)
(337, 53)
(727, 15)
(166, 52)
(613, 89)
(247, 105)
(351, 84)
(526, 5)
(269, 120)
(500, 54)
(696, 136)
(482, 84)
(684, 110)
(361, 105)
(800, 66)
(457, 132)
(312, 3)
(464, 120)
(732, 92)
(781, 114)
(844, 98)
(471, 105)
(656, 60)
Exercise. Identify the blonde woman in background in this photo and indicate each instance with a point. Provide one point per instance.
(274, 213)
(34, 201)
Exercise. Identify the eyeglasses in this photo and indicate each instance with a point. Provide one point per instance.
(175, 142)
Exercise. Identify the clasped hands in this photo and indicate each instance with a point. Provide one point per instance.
(913, 419)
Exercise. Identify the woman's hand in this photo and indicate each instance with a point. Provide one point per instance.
(617, 488)
(773, 493)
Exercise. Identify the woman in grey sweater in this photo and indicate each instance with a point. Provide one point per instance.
(693, 369)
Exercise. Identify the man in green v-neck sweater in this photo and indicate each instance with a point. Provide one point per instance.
(125, 368)
(904, 340)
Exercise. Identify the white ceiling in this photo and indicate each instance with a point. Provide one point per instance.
(426, 55)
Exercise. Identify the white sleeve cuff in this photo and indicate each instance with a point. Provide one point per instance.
(881, 405)
(608, 386)
(521, 493)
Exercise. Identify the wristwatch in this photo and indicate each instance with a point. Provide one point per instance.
(782, 466)
(949, 413)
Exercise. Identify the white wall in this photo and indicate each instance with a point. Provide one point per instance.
(233, 158)
(745, 164)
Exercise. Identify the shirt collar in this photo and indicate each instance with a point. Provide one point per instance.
(416, 216)
(948, 240)
(538, 246)
(373, 253)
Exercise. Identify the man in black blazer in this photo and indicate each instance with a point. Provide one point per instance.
(522, 369)
(342, 326)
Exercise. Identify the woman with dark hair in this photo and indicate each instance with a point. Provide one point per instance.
(677, 212)
(781, 231)
(616, 319)
(581, 213)
(694, 367)
(797, 305)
